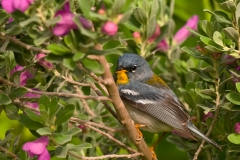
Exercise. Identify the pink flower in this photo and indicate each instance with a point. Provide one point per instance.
(109, 28)
(24, 76)
(182, 34)
(137, 37)
(155, 34)
(43, 62)
(237, 127)
(37, 148)
(13, 5)
(205, 116)
(229, 60)
(66, 24)
(163, 46)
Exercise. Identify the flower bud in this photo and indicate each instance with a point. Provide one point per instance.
(237, 128)
(43, 62)
(155, 34)
(101, 11)
(205, 116)
(163, 46)
(229, 60)
(235, 78)
(137, 37)
(201, 50)
(109, 28)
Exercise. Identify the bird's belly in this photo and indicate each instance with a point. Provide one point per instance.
(152, 124)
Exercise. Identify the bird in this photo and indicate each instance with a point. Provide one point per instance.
(150, 102)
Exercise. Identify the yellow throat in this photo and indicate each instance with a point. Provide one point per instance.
(122, 77)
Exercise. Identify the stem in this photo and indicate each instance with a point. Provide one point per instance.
(28, 47)
(217, 109)
(10, 153)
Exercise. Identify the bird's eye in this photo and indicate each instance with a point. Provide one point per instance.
(133, 69)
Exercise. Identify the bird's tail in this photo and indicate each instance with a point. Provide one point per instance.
(202, 136)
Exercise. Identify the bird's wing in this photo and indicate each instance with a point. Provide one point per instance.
(159, 103)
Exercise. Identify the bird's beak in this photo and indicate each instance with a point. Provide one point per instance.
(121, 76)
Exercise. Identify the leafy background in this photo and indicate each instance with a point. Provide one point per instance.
(183, 10)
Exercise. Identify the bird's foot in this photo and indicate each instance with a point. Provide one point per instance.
(140, 135)
(153, 153)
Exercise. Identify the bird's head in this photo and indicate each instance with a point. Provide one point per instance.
(132, 67)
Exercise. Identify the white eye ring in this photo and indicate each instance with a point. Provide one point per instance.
(133, 69)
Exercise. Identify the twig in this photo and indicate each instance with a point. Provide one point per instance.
(69, 80)
(99, 93)
(96, 125)
(123, 115)
(8, 152)
(85, 104)
(105, 156)
(217, 103)
(112, 138)
(28, 47)
(60, 94)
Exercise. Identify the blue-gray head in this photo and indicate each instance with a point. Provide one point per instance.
(135, 67)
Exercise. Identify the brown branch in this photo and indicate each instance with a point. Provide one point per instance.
(9, 153)
(56, 73)
(105, 156)
(217, 111)
(60, 94)
(123, 115)
(112, 138)
(28, 47)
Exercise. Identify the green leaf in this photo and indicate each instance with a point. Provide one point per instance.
(213, 49)
(45, 101)
(140, 15)
(220, 16)
(18, 92)
(208, 92)
(61, 152)
(231, 33)
(65, 114)
(44, 131)
(73, 147)
(217, 38)
(53, 106)
(13, 31)
(151, 27)
(58, 49)
(234, 97)
(11, 111)
(77, 56)
(93, 66)
(61, 138)
(84, 31)
(117, 6)
(238, 86)
(237, 13)
(3, 16)
(234, 138)
(85, 7)
(29, 123)
(54, 58)
(69, 63)
(187, 97)
(229, 6)
(44, 36)
(207, 41)
(4, 99)
(155, 8)
(34, 116)
(73, 131)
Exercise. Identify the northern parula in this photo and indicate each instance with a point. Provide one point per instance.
(150, 102)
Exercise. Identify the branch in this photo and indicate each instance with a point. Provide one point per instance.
(104, 157)
(123, 115)
(217, 103)
(28, 47)
(10, 153)
(60, 94)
